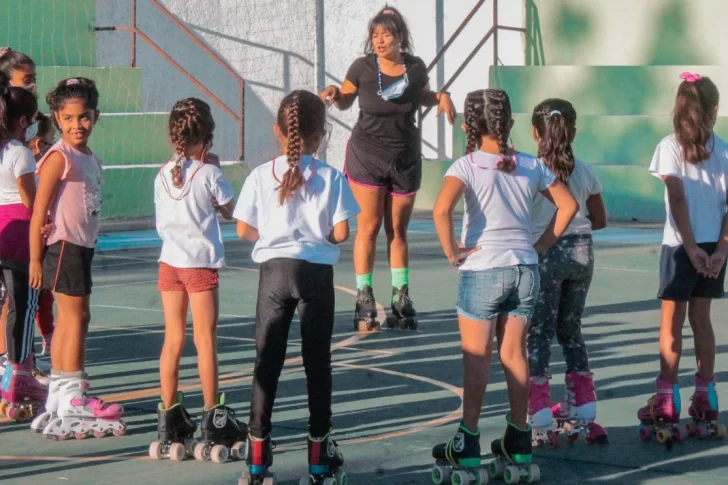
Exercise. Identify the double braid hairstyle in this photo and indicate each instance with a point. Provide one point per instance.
(190, 124)
(694, 117)
(555, 123)
(302, 120)
(488, 113)
(14, 104)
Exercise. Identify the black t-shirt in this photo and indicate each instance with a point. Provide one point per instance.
(388, 127)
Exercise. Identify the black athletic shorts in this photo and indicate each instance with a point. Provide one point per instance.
(679, 281)
(67, 269)
(401, 177)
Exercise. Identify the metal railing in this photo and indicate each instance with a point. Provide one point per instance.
(492, 32)
(136, 32)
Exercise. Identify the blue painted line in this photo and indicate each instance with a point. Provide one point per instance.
(115, 241)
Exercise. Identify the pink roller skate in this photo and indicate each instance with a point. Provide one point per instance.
(23, 396)
(540, 415)
(575, 415)
(661, 415)
(80, 416)
(704, 410)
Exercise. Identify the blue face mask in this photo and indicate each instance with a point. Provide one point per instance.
(394, 91)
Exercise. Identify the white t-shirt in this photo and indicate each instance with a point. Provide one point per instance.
(15, 161)
(299, 228)
(186, 219)
(498, 208)
(583, 183)
(704, 185)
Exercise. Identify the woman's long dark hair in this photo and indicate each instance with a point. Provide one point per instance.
(392, 21)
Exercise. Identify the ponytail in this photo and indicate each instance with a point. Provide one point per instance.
(694, 116)
(555, 123)
(15, 103)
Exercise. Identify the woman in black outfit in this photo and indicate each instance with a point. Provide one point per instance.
(384, 156)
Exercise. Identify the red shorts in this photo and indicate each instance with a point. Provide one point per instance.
(191, 280)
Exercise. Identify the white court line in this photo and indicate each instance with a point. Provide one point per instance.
(157, 310)
(617, 268)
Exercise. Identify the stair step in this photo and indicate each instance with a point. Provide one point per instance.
(51, 32)
(129, 192)
(120, 88)
(601, 90)
(131, 138)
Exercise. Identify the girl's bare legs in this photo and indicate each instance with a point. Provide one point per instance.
(205, 311)
(174, 304)
(699, 317)
(68, 350)
(672, 321)
(511, 333)
(476, 341)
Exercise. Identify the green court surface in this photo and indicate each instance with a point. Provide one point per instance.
(396, 394)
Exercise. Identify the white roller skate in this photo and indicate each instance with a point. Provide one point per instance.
(51, 407)
(81, 417)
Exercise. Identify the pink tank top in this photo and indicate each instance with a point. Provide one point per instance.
(76, 209)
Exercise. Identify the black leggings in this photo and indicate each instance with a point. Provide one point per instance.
(286, 285)
(22, 307)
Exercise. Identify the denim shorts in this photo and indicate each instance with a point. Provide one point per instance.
(512, 291)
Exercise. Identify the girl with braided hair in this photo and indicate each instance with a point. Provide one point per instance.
(499, 280)
(187, 192)
(566, 273)
(296, 210)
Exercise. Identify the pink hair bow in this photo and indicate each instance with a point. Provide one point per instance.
(691, 78)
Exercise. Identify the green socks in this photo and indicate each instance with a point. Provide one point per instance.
(400, 277)
(363, 280)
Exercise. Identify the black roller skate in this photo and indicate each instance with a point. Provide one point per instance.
(365, 315)
(175, 433)
(222, 435)
(403, 315)
(513, 456)
(457, 461)
(259, 458)
(324, 463)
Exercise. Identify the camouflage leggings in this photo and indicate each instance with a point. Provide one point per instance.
(566, 273)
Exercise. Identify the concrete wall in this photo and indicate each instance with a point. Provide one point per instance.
(627, 32)
(273, 45)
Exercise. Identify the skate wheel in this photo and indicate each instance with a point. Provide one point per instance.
(219, 454)
(645, 433)
(3, 408)
(720, 431)
(481, 476)
(662, 436)
(155, 450)
(199, 452)
(237, 452)
(341, 477)
(119, 431)
(391, 322)
(690, 428)
(99, 434)
(81, 435)
(701, 432)
(534, 474)
(460, 477)
(496, 469)
(512, 475)
(18, 413)
(440, 474)
(177, 452)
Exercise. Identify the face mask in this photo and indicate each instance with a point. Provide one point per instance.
(394, 91)
(31, 131)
